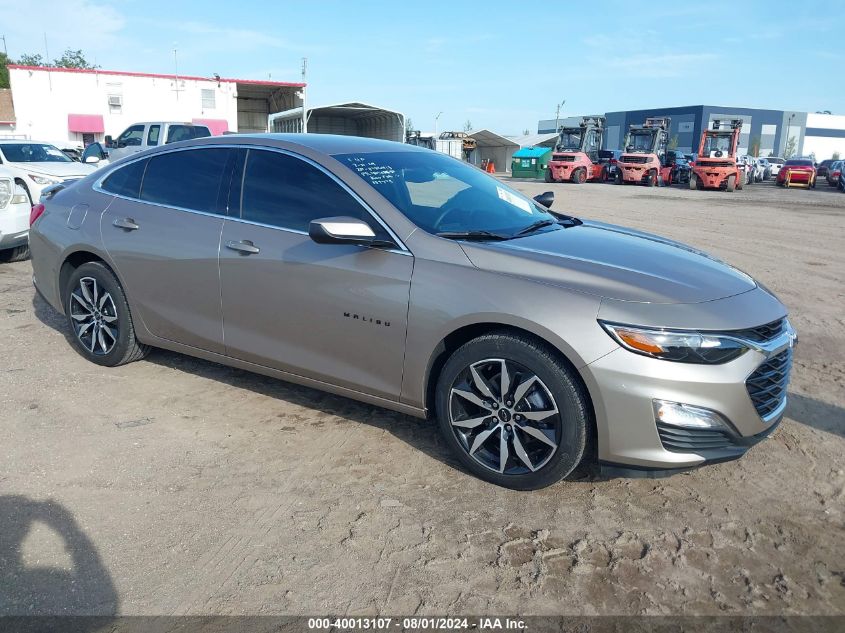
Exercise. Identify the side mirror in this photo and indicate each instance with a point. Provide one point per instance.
(546, 199)
(344, 230)
(92, 160)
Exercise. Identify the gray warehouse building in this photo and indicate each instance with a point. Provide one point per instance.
(819, 134)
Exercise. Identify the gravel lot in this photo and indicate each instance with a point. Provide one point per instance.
(176, 486)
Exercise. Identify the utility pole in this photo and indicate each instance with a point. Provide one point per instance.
(5, 52)
(435, 124)
(304, 104)
(176, 87)
(557, 115)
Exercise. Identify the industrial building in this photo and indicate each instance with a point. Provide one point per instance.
(769, 130)
(80, 105)
(353, 119)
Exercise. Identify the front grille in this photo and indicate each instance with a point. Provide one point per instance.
(762, 333)
(563, 158)
(767, 385)
(627, 158)
(680, 440)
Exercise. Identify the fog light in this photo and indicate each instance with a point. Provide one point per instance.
(687, 415)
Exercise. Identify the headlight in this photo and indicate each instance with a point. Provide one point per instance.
(43, 180)
(678, 346)
(5, 192)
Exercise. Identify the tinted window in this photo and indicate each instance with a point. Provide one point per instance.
(190, 179)
(287, 192)
(132, 136)
(797, 162)
(152, 135)
(176, 133)
(126, 181)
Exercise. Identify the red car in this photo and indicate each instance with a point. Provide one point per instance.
(797, 172)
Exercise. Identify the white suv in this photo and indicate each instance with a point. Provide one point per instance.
(35, 165)
(14, 219)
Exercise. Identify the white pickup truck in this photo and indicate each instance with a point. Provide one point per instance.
(141, 136)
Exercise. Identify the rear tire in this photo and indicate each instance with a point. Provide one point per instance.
(16, 254)
(469, 390)
(579, 176)
(731, 183)
(618, 179)
(548, 175)
(651, 179)
(693, 182)
(99, 319)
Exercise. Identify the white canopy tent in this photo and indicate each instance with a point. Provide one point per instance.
(493, 147)
(351, 119)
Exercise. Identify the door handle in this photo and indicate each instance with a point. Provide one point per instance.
(126, 223)
(245, 246)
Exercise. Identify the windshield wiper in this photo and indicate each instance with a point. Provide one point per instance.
(472, 235)
(535, 227)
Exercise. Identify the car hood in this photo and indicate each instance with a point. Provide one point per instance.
(58, 170)
(613, 262)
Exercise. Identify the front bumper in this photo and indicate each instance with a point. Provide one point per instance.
(14, 225)
(629, 435)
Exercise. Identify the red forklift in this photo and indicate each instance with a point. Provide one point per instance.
(644, 159)
(715, 166)
(576, 154)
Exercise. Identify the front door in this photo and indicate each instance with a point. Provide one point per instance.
(325, 311)
(165, 241)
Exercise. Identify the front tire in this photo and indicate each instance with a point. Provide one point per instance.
(99, 319)
(512, 412)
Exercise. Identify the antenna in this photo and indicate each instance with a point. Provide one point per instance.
(176, 87)
(304, 112)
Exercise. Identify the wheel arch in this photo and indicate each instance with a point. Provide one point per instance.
(458, 337)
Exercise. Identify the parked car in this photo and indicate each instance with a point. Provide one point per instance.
(842, 178)
(822, 167)
(834, 172)
(14, 219)
(141, 136)
(765, 167)
(535, 339)
(681, 169)
(746, 167)
(36, 165)
(610, 157)
(776, 162)
(756, 168)
(798, 171)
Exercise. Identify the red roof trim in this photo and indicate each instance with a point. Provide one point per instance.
(87, 71)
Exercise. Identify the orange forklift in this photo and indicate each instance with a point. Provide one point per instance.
(576, 154)
(643, 160)
(715, 165)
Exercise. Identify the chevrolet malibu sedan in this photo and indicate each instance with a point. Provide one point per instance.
(406, 279)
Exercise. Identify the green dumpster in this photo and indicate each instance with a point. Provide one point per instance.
(530, 162)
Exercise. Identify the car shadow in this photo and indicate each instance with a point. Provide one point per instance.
(84, 588)
(816, 414)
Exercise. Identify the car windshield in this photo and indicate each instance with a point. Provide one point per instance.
(717, 143)
(640, 142)
(33, 153)
(569, 141)
(443, 195)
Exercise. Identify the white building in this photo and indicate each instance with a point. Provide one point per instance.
(81, 106)
(824, 135)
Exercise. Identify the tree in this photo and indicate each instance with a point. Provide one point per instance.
(754, 146)
(31, 60)
(73, 59)
(835, 156)
(409, 124)
(4, 72)
(468, 126)
(526, 132)
(790, 147)
(673, 142)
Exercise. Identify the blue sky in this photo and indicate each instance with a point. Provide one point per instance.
(499, 64)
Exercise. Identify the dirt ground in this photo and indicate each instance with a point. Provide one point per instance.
(177, 486)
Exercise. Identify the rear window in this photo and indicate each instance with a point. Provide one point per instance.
(188, 180)
(799, 163)
(176, 133)
(126, 181)
(776, 161)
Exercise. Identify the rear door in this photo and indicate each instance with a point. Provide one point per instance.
(163, 234)
(332, 312)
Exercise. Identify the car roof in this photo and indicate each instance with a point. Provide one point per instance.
(323, 143)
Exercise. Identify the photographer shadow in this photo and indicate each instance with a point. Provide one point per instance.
(86, 589)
